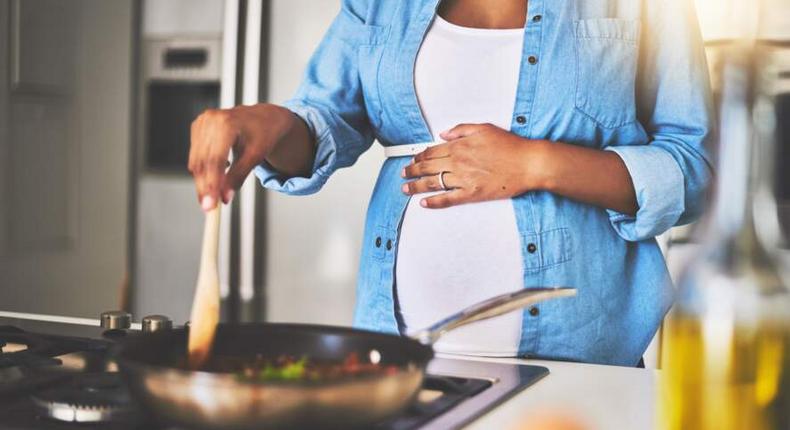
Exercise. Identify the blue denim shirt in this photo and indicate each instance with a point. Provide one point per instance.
(627, 76)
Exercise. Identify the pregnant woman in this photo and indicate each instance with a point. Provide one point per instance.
(564, 136)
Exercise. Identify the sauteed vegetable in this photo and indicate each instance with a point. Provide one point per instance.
(289, 368)
(284, 370)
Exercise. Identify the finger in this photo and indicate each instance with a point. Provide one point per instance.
(235, 177)
(196, 147)
(214, 164)
(438, 151)
(213, 178)
(198, 187)
(429, 183)
(422, 185)
(445, 200)
(201, 140)
(426, 168)
(464, 130)
(194, 142)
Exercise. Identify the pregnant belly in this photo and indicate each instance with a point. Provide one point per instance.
(452, 258)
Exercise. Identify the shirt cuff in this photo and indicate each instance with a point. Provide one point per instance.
(660, 192)
(325, 157)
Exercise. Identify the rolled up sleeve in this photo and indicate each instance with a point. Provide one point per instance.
(671, 171)
(659, 188)
(337, 145)
(331, 104)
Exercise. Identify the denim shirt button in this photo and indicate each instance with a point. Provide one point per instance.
(534, 311)
(389, 244)
(378, 242)
(532, 60)
(537, 18)
(531, 248)
(521, 119)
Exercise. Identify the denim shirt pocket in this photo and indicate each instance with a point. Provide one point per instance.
(607, 52)
(545, 249)
(369, 41)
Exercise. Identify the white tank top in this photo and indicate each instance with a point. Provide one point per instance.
(451, 258)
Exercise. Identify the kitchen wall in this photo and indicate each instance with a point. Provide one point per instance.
(64, 154)
(313, 242)
(716, 24)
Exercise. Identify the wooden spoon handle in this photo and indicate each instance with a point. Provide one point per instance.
(205, 306)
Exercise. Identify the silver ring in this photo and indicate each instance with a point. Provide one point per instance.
(441, 180)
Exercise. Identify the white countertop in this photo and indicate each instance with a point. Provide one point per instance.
(597, 397)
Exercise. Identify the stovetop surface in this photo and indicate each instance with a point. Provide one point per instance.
(65, 363)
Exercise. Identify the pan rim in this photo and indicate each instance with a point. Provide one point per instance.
(124, 361)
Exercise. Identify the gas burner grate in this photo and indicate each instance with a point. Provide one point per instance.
(40, 349)
(33, 361)
(36, 350)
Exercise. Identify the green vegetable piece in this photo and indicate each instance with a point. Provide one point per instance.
(294, 371)
(269, 373)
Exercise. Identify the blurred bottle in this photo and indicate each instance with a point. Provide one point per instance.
(726, 352)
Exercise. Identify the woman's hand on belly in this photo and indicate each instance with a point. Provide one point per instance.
(483, 162)
(480, 162)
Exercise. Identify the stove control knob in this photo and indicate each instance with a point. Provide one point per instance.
(116, 320)
(153, 323)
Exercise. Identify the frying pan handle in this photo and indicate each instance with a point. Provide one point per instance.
(490, 308)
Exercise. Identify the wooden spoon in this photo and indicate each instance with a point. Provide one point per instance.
(205, 306)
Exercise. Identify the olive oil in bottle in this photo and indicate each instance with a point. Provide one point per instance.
(726, 350)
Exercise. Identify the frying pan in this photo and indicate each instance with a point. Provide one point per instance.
(199, 399)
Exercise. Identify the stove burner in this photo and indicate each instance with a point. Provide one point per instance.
(89, 397)
(57, 375)
(31, 350)
(20, 348)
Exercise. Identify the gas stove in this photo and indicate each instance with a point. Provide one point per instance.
(58, 373)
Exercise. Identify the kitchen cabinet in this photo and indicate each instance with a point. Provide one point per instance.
(64, 132)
